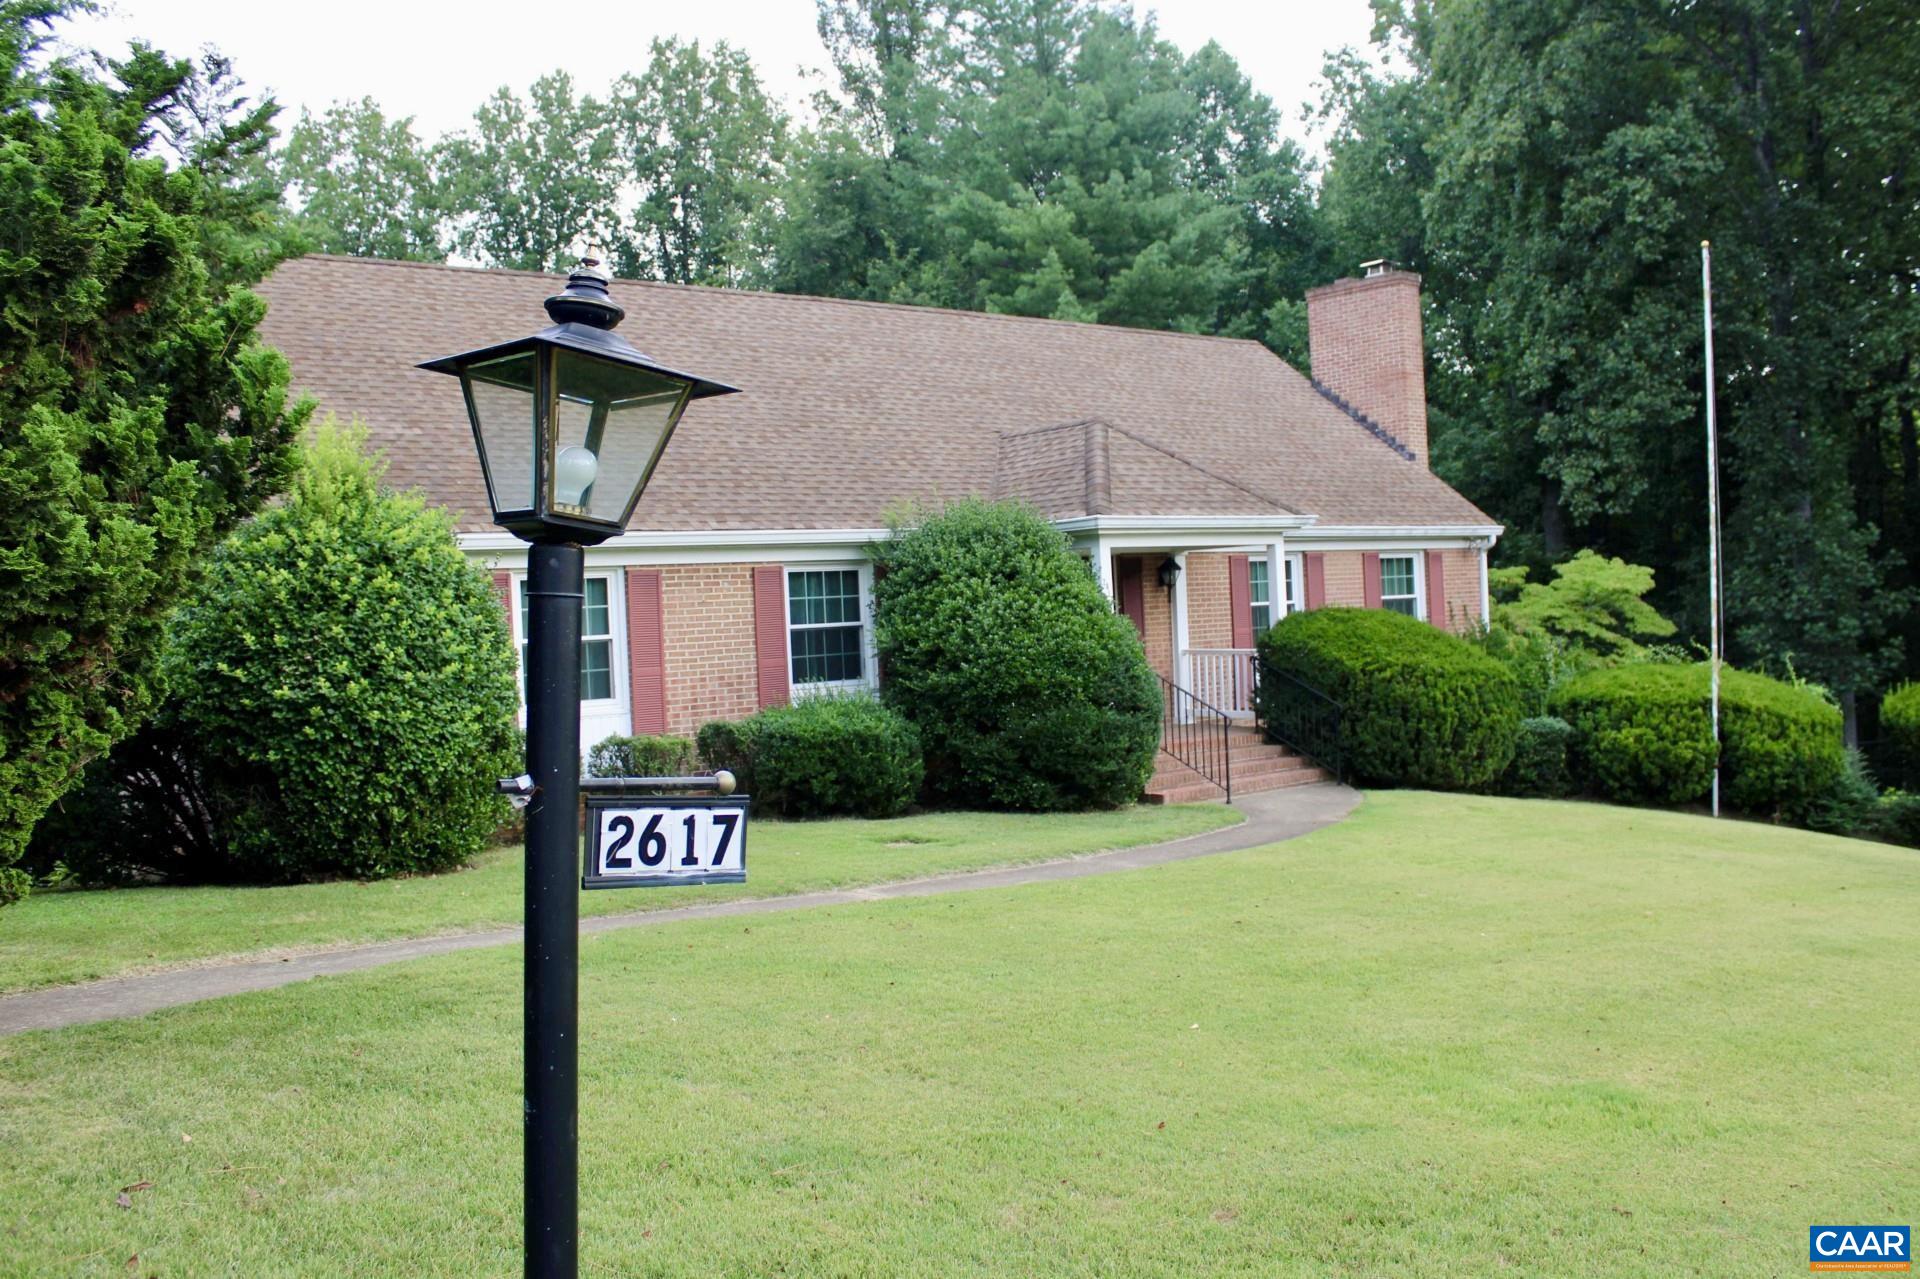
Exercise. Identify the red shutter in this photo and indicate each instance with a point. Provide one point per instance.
(1370, 578)
(1133, 597)
(1313, 567)
(503, 587)
(770, 633)
(1436, 589)
(1240, 600)
(646, 650)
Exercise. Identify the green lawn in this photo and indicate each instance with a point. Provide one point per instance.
(1451, 1036)
(63, 937)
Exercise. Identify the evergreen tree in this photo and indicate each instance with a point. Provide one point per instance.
(139, 417)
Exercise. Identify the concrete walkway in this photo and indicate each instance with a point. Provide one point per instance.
(1271, 817)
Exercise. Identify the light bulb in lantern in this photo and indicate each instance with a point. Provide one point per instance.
(573, 472)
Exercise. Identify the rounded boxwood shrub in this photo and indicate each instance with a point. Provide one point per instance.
(1782, 746)
(728, 744)
(1539, 767)
(1644, 734)
(1641, 733)
(1419, 707)
(822, 756)
(641, 755)
(1029, 691)
(346, 680)
(1900, 725)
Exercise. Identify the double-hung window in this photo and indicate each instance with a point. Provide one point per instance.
(1400, 584)
(826, 627)
(596, 641)
(1260, 590)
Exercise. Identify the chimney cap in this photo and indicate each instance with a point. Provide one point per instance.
(1376, 266)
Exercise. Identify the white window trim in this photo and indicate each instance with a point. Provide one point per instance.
(869, 661)
(1419, 580)
(616, 634)
(1293, 603)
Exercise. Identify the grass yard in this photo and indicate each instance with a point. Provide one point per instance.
(52, 938)
(1451, 1036)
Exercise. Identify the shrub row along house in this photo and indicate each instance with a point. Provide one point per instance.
(1211, 486)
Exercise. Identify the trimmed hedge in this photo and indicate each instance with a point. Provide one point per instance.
(823, 755)
(641, 756)
(1539, 767)
(1644, 734)
(1641, 733)
(1900, 725)
(1028, 689)
(1420, 707)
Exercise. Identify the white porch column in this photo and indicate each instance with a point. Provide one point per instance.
(1486, 593)
(1277, 580)
(1182, 662)
(1103, 571)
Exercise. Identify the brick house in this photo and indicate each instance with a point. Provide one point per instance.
(743, 579)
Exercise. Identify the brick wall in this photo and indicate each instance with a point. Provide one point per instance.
(1159, 610)
(708, 615)
(1209, 622)
(1364, 339)
(1345, 588)
(1462, 570)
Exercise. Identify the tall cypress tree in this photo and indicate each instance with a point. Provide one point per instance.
(139, 417)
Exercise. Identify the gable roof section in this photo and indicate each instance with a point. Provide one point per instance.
(848, 408)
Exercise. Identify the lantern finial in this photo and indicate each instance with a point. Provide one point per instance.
(585, 299)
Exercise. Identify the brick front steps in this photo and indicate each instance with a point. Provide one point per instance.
(1258, 765)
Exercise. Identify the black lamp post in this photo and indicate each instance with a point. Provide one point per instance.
(570, 423)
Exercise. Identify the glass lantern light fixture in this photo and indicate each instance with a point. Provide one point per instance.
(571, 421)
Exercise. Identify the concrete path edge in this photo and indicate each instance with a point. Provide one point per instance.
(1271, 817)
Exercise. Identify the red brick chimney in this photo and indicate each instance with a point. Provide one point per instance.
(1364, 339)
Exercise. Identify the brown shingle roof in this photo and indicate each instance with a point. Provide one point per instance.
(1096, 468)
(848, 408)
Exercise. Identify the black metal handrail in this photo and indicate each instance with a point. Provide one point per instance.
(1297, 714)
(1195, 733)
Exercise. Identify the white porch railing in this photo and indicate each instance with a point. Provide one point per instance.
(1223, 677)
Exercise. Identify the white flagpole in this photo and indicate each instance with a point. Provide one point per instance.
(1713, 514)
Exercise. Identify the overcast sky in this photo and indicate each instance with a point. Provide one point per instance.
(436, 61)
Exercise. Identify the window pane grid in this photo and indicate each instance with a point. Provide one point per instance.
(1397, 590)
(1258, 595)
(596, 642)
(824, 626)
